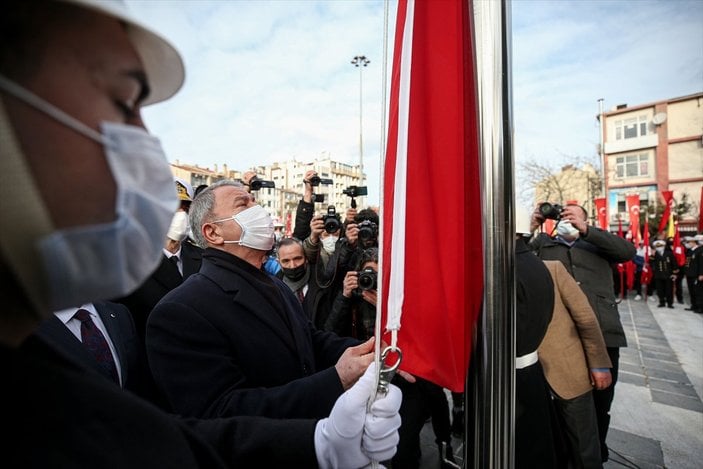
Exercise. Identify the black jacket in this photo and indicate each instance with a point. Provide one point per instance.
(233, 340)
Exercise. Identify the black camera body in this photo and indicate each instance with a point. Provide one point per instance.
(255, 184)
(331, 221)
(368, 279)
(355, 191)
(368, 230)
(551, 211)
(318, 198)
(317, 180)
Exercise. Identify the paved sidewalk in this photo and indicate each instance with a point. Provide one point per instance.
(657, 414)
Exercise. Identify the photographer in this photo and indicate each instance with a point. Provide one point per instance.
(306, 208)
(588, 253)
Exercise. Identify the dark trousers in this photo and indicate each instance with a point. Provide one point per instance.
(603, 400)
(665, 291)
(678, 284)
(421, 400)
(691, 284)
(579, 425)
(534, 441)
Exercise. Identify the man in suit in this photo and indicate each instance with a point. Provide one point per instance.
(575, 360)
(588, 253)
(234, 340)
(74, 75)
(64, 330)
(180, 260)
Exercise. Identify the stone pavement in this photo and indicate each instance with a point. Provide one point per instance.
(657, 414)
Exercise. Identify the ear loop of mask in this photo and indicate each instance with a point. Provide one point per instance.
(26, 218)
(46, 107)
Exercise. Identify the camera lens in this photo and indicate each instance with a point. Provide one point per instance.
(315, 181)
(331, 224)
(367, 280)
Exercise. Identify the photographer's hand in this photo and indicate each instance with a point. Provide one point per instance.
(351, 283)
(574, 215)
(536, 220)
(370, 296)
(350, 215)
(307, 195)
(352, 234)
(317, 226)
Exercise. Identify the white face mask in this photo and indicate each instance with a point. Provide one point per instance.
(567, 231)
(329, 243)
(660, 251)
(102, 261)
(257, 228)
(178, 231)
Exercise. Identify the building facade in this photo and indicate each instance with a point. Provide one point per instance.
(652, 148)
(282, 201)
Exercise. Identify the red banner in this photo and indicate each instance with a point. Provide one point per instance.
(668, 197)
(679, 252)
(432, 143)
(602, 213)
(633, 208)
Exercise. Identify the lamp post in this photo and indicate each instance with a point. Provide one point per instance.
(360, 61)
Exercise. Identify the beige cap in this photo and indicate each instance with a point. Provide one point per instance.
(162, 62)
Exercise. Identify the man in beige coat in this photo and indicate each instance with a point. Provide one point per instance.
(575, 360)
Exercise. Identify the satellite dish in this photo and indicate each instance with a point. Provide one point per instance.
(659, 118)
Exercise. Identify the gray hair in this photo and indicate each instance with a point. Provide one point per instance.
(201, 209)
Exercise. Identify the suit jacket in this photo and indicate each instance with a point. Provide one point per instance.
(233, 340)
(131, 354)
(164, 279)
(573, 343)
(58, 413)
(589, 261)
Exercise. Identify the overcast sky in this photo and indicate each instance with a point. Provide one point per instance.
(272, 81)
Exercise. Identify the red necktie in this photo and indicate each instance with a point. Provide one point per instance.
(95, 342)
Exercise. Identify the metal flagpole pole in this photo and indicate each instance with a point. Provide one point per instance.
(493, 378)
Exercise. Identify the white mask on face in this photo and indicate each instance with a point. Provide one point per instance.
(660, 251)
(329, 243)
(567, 231)
(95, 262)
(178, 231)
(257, 228)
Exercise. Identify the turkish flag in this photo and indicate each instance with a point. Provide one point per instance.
(679, 252)
(602, 214)
(431, 276)
(633, 207)
(668, 202)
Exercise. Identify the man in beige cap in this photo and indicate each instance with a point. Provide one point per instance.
(73, 78)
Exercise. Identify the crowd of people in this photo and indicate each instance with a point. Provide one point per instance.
(150, 327)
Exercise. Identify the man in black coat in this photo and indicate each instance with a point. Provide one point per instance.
(588, 253)
(73, 78)
(234, 340)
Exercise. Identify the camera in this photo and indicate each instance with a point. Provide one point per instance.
(355, 191)
(368, 230)
(331, 221)
(255, 184)
(368, 279)
(551, 211)
(317, 180)
(318, 198)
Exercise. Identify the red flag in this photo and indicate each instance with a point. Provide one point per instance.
(289, 225)
(602, 215)
(630, 268)
(432, 143)
(646, 275)
(679, 252)
(668, 202)
(633, 208)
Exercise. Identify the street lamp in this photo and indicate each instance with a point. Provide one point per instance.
(360, 61)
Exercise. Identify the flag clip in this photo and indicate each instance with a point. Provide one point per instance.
(388, 371)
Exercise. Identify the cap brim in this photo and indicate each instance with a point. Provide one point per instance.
(162, 62)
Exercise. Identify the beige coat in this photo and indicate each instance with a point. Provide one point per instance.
(573, 343)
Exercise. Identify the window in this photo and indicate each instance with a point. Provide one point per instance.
(631, 128)
(632, 166)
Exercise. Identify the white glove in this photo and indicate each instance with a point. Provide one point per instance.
(338, 437)
(381, 427)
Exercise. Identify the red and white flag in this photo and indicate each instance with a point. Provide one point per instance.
(633, 207)
(432, 273)
(602, 214)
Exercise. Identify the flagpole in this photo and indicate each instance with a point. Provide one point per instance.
(493, 376)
